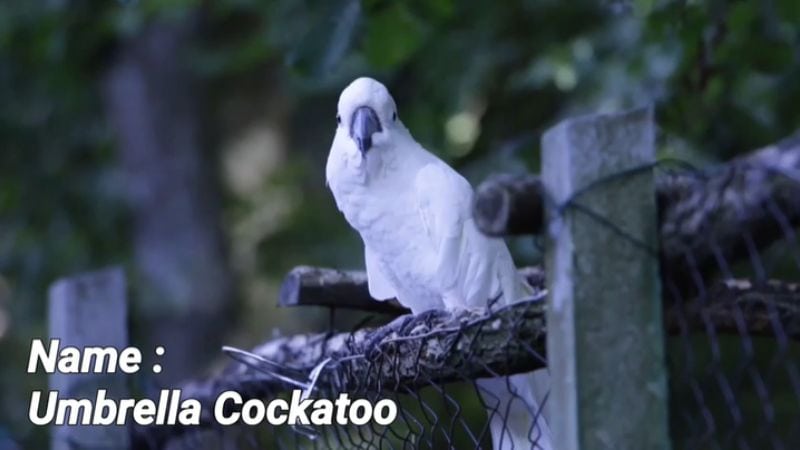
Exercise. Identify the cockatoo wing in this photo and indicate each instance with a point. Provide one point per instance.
(442, 199)
(464, 269)
(473, 269)
(379, 286)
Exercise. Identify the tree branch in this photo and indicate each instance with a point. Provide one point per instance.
(314, 286)
(705, 217)
(508, 205)
(740, 307)
(318, 286)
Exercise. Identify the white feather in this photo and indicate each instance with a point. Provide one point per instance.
(379, 286)
(413, 212)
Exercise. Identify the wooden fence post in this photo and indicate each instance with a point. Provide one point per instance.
(605, 340)
(89, 310)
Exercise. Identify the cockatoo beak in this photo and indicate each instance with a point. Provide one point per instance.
(364, 124)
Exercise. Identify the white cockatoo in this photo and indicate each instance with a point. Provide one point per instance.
(421, 245)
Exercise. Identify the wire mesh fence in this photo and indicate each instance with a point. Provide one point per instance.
(734, 372)
(729, 262)
(427, 363)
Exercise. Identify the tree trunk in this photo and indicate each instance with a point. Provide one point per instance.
(184, 283)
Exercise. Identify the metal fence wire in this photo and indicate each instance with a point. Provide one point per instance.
(729, 260)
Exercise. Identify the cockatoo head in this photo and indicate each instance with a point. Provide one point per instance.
(367, 114)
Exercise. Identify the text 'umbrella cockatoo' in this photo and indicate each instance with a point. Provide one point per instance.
(421, 245)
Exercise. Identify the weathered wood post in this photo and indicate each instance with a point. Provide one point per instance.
(604, 343)
(89, 310)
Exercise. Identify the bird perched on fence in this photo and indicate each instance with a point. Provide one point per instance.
(421, 246)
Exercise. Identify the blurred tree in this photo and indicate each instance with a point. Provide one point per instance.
(185, 284)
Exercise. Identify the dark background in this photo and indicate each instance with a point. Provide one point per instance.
(185, 140)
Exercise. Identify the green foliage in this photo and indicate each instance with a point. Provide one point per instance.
(392, 36)
(724, 76)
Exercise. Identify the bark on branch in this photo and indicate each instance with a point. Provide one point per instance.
(707, 219)
(318, 286)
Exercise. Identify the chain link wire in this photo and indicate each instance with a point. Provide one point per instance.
(732, 321)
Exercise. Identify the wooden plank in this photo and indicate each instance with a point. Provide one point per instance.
(604, 312)
(311, 286)
(89, 310)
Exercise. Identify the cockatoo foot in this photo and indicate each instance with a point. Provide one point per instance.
(402, 326)
(372, 347)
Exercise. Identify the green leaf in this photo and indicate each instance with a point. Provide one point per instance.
(789, 10)
(392, 37)
(435, 10)
(328, 39)
(644, 7)
(767, 55)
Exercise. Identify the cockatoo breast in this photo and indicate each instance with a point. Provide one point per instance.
(380, 205)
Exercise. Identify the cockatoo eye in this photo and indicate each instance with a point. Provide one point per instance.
(394, 116)
(339, 119)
